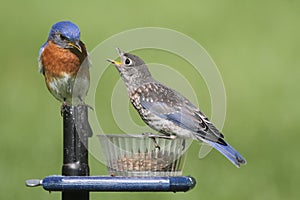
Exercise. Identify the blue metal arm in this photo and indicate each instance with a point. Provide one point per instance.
(118, 183)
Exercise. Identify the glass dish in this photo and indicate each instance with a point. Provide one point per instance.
(141, 155)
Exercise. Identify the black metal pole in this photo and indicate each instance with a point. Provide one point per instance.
(76, 131)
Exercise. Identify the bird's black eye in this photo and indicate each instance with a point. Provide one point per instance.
(128, 61)
(62, 37)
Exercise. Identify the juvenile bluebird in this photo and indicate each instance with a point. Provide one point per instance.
(167, 111)
(60, 59)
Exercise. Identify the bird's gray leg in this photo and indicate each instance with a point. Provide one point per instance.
(183, 144)
(63, 107)
(154, 136)
(155, 143)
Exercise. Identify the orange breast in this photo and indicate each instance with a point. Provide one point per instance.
(57, 61)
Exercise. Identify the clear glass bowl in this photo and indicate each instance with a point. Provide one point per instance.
(137, 155)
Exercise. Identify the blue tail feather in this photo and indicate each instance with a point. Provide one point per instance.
(229, 152)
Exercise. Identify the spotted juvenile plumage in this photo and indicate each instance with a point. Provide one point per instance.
(167, 111)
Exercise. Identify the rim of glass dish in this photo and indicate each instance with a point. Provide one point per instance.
(132, 136)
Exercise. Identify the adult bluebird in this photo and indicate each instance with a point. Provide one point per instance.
(60, 59)
(63, 60)
(167, 111)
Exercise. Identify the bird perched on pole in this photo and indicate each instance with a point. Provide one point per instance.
(60, 59)
(167, 111)
(63, 60)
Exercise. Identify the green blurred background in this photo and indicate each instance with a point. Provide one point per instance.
(255, 44)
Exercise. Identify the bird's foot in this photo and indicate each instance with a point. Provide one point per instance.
(183, 144)
(63, 108)
(156, 146)
(154, 136)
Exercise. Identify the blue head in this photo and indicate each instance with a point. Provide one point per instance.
(66, 35)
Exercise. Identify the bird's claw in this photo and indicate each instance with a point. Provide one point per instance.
(63, 108)
(154, 136)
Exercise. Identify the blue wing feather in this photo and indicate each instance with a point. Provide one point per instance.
(185, 115)
(41, 67)
(181, 116)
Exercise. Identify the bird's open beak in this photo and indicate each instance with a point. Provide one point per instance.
(117, 63)
(120, 52)
(76, 45)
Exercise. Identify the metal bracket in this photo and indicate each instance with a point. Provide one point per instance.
(115, 184)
